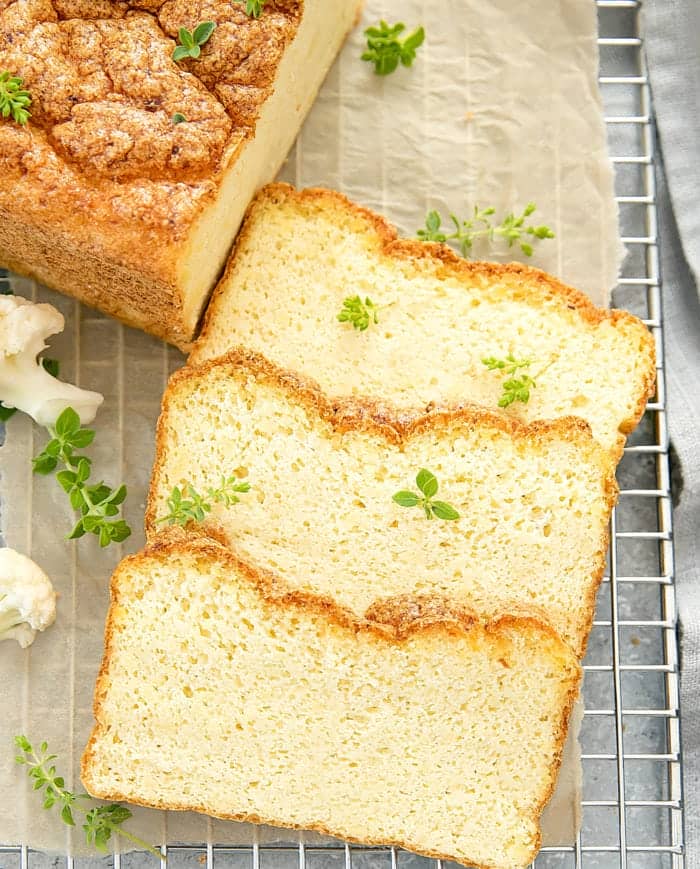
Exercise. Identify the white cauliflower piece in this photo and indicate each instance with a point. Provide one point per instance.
(24, 383)
(27, 598)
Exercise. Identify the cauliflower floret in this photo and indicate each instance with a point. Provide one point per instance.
(27, 598)
(24, 383)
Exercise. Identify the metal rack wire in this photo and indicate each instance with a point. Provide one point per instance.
(632, 807)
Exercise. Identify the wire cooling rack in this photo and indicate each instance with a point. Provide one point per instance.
(632, 806)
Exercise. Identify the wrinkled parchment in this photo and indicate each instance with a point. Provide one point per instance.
(501, 108)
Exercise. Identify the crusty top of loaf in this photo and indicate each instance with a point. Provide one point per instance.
(100, 145)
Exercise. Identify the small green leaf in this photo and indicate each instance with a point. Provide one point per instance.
(78, 531)
(67, 423)
(427, 483)
(406, 499)
(178, 118)
(44, 464)
(203, 32)
(180, 52)
(14, 100)
(385, 48)
(444, 511)
(358, 313)
(185, 37)
(82, 438)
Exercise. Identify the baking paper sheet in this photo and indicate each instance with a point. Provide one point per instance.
(501, 108)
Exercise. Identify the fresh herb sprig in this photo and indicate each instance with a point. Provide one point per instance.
(358, 313)
(50, 365)
(254, 8)
(517, 387)
(191, 43)
(100, 821)
(178, 118)
(513, 229)
(14, 100)
(186, 504)
(428, 486)
(385, 48)
(96, 503)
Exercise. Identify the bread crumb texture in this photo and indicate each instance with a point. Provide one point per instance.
(223, 692)
(101, 141)
(320, 510)
(301, 253)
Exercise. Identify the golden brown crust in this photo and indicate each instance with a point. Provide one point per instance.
(407, 617)
(101, 165)
(101, 143)
(535, 284)
(362, 414)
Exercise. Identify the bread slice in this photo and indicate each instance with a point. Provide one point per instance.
(300, 254)
(102, 195)
(534, 500)
(223, 691)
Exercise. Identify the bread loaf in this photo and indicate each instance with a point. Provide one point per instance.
(222, 691)
(534, 501)
(300, 254)
(102, 195)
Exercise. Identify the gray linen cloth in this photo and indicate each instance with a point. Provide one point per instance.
(672, 30)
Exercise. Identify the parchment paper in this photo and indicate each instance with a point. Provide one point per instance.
(501, 107)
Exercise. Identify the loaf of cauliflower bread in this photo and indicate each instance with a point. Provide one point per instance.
(300, 254)
(106, 194)
(223, 691)
(534, 500)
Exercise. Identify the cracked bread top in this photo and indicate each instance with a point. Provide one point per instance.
(101, 148)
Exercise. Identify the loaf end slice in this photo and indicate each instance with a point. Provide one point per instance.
(222, 691)
(320, 510)
(301, 253)
(102, 196)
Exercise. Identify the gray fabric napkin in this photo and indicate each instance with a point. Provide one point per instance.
(672, 30)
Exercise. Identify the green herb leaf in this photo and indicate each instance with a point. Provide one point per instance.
(385, 48)
(178, 118)
(14, 101)
(254, 8)
(428, 485)
(186, 504)
(360, 314)
(100, 821)
(406, 499)
(512, 229)
(516, 388)
(97, 503)
(444, 511)
(190, 43)
(432, 231)
(203, 31)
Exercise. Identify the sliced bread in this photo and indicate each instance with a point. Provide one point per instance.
(534, 501)
(300, 254)
(222, 691)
